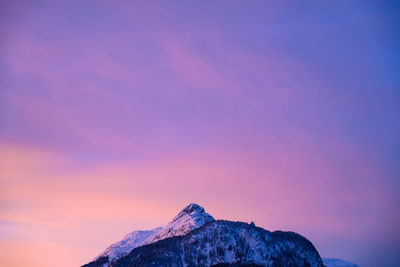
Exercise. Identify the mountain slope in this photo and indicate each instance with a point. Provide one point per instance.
(228, 243)
(123, 247)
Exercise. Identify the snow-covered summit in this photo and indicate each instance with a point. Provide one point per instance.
(191, 217)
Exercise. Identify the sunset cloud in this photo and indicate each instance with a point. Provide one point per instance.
(113, 116)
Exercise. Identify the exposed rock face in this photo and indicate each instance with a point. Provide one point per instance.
(224, 243)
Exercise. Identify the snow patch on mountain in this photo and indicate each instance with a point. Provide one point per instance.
(337, 263)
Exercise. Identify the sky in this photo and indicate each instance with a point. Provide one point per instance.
(114, 115)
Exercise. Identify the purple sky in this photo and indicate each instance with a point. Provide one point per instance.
(114, 115)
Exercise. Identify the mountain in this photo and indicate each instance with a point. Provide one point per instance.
(195, 238)
(225, 243)
(338, 263)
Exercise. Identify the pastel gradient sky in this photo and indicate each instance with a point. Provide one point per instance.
(114, 115)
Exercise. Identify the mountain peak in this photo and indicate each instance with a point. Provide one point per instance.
(191, 217)
(192, 207)
(192, 214)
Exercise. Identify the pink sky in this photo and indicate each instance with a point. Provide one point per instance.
(113, 117)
